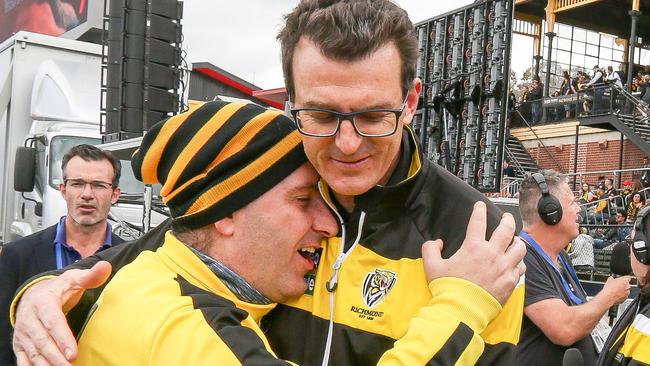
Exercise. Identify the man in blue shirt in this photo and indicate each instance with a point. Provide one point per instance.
(90, 186)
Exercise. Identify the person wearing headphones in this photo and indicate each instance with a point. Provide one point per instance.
(557, 315)
(629, 340)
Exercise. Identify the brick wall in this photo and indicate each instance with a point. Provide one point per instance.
(592, 156)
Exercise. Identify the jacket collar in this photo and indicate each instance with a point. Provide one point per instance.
(43, 255)
(183, 261)
(389, 199)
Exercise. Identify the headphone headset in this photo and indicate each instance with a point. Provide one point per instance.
(639, 247)
(548, 207)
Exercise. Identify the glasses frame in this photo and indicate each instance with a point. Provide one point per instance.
(110, 185)
(349, 116)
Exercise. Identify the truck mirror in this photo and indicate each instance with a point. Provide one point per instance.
(24, 169)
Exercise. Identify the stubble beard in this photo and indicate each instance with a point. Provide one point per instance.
(87, 221)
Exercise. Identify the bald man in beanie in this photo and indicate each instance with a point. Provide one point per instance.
(233, 176)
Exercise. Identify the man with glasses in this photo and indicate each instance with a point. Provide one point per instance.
(318, 122)
(349, 70)
(90, 187)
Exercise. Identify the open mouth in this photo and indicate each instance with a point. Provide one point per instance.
(310, 254)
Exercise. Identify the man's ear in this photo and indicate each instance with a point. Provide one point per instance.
(412, 101)
(225, 226)
(115, 195)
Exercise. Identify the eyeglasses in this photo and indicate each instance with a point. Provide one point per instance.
(78, 185)
(318, 122)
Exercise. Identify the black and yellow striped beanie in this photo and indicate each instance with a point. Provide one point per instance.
(216, 158)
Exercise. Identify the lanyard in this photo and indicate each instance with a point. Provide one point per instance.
(568, 289)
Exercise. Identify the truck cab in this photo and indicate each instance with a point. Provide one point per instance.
(50, 95)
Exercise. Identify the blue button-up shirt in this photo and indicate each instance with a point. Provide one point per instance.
(64, 253)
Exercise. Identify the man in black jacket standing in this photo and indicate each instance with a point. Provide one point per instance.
(90, 186)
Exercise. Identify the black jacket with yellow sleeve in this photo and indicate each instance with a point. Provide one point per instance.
(628, 343)
(369, 301)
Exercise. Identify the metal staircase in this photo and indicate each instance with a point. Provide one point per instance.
(631, 118)
(518, 155)
(519, 158)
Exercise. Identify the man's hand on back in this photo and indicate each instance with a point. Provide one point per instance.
(41, 334)
(494, 265)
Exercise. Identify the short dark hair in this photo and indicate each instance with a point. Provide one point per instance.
(93, 153)
(349, 30)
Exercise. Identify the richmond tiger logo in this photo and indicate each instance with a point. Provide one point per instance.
(376, 286)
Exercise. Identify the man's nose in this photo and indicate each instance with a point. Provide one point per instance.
(324, 222)
(347, 139)
(87, 190)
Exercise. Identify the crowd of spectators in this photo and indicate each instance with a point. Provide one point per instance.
(589, 85)
(603, 201)
(607, 216)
